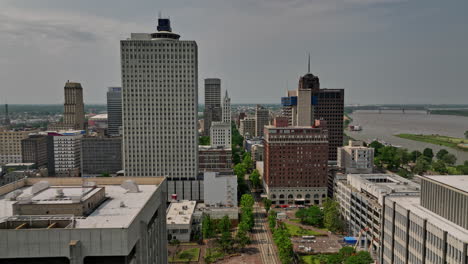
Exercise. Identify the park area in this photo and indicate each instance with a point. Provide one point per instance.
(187, 255)
(452, 142)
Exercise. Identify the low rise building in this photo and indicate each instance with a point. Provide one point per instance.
(70, 220)
(430, 228)
(214, 159)
(355, 158)
(101, 155)
(361, 198)
(220, 189)
(179, 220)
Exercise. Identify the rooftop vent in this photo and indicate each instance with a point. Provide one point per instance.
(39, 186)
(59, 193)
(130, 186)
(122, 204)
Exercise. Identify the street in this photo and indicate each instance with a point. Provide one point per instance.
(263, 238)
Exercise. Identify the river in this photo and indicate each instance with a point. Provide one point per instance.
(385, 125)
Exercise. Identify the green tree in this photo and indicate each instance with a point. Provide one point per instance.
(236, 158)
(449, 159)
(422, 165)
(427, 152)
(226, 242)
(247, 161)
(175, 243)
(362, 257)
(377, 146)
(208, 228)
(255, 178)
(466, 134)
(272, 219)
(284, 244)
(267, 204)
(242, 239)
(441, 153)
(346, 252)
(415, 155)
(224, 225)
(404, 173)
(311, 216)
(331, 218)
(247, 201)
(240, 170)
(334, 259)
(204, 140)
(439, 167)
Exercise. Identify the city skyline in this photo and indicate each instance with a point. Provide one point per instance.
(405, 50)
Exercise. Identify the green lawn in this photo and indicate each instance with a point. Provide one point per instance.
(450, 142)
(310, 260)
(299, 231)
(191, 254)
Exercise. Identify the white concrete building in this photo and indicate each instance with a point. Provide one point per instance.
(431, 228)
(160, 101)
(179, 220)
(361, 198)
(67, 152)
(220, 189)
(355, 158)
(220, 132)
(70, 220)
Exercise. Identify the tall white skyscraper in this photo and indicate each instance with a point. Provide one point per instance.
(220, 132)
(160, 101)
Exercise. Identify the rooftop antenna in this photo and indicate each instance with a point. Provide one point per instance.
(308, 65)
(159, 14)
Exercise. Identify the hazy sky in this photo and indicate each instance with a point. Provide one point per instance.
(380, 51)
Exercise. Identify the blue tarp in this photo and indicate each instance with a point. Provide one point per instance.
(350, 240)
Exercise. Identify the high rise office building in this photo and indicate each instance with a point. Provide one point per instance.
(309, 102)
(295, 162)
(262, 119)
(213, 109)
(160, 101)
(73, 114)
(114, 111)
(220, 132)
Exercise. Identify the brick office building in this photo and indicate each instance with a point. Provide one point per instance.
(295, 163)
(309, 102)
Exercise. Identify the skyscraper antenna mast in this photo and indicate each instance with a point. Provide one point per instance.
(308, 64)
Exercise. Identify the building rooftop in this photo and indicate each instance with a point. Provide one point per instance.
(379, 185)
(99, 117)
(122, 202)
(180, 212)
(412, 203)
(459, 182)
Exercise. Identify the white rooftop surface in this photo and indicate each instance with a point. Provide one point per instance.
(98, 117)
(412, 203)
(108, 215)
(177, 215)
(459, 182)
(48, 195)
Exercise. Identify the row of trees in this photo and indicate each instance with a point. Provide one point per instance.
(281, 238)
(406, 164)
(240, 169)
(346, 255)
(328, 217)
